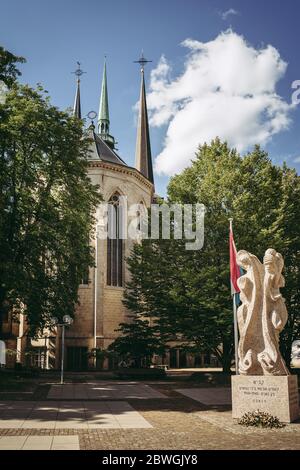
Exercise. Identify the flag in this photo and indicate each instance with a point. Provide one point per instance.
(235, 272)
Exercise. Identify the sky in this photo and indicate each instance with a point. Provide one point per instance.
(218, 67)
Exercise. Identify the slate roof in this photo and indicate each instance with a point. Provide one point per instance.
(99, 150)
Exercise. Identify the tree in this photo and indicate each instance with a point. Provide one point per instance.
(188, 292)
(47, 202)
(286, 239)
(8, 69)
(138, 342)
(262, 199)
(140, 338)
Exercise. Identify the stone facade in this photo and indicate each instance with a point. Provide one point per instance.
(95, 327)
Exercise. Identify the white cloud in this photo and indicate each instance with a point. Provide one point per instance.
(230, 12)
(297, 159)
(227, 89)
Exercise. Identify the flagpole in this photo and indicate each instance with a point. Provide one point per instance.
(236, 337)
(235, 323)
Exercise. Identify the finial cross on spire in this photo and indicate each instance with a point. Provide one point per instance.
(142, 61)
(78, 72)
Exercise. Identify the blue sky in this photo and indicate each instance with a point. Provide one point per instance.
(53, 35)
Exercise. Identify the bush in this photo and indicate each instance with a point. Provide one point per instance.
(30, 372)
(260, 419)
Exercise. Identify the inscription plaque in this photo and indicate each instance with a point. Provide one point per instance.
(277, 395)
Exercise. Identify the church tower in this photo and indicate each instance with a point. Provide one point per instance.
(103, 115)
(143, 158)
(77, 103)
(101, 308)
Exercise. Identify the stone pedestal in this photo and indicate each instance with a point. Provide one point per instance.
(277, 395)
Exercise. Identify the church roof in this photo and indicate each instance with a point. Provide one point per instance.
(99, 150)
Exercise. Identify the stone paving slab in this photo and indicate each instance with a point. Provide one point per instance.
(65, 443)
(103, 390)
(71, 415)
(39, 443)
(12, 442)
(208, 396)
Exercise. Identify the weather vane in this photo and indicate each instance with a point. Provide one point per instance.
(78, 72)
(142, 61)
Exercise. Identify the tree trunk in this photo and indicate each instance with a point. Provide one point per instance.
(226, 364)
(3, 310)
(226, 356)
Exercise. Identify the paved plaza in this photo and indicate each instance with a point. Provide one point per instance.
(103, 390)
(208, 396)
(39, 443)
(113, 415)
(69, 415)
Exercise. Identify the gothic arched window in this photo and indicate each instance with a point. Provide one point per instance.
(114, 243)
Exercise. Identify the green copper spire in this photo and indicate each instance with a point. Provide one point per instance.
(103, 117)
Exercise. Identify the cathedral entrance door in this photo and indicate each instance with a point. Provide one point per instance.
(77, 358)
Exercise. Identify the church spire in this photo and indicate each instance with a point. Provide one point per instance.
(77, 104)
(103, 116)
(143, 159)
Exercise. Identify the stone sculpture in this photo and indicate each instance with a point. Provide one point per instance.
(262, 314)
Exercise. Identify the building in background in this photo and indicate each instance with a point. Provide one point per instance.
(101, 309)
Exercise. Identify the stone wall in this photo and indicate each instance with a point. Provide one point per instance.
(110, 311)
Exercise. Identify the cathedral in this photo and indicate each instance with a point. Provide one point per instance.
(100, 310)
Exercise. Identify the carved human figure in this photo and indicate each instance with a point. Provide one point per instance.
(261, 315)
(249, 313)
(274, 315)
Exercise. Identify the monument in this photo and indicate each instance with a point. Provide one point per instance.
(264, 381)
(295, 356)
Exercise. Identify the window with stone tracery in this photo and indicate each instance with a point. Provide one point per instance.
(114, 243)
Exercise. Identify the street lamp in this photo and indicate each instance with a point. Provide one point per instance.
(66, 321)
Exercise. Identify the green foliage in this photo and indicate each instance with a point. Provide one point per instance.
(137, 343)
(47, 203)
(8, 69)
(187, 293)
(260, 419)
